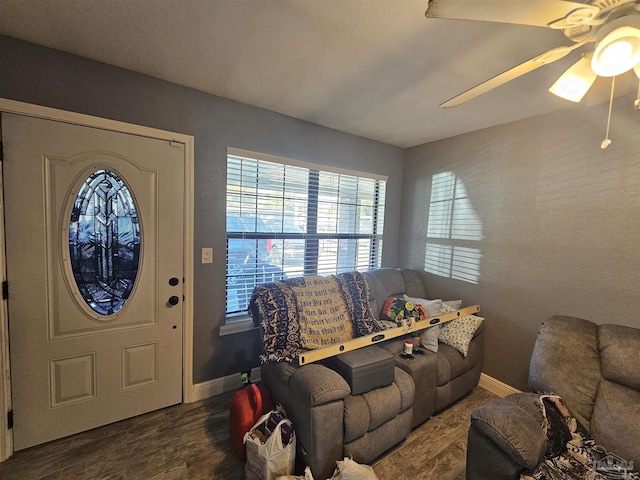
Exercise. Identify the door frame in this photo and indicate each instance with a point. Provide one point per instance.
(47, 113)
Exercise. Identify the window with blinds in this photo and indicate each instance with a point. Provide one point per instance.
(288, 218)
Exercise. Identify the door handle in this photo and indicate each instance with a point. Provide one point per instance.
(173, 300)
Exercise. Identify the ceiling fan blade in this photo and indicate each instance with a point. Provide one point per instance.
(511, 74)
(523, 12)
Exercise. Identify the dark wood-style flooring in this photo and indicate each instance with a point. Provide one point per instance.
(191, 441)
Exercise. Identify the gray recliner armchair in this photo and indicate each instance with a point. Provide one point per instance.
(596, 371)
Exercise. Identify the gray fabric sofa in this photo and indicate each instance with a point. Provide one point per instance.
(331, 423)
(594, 368)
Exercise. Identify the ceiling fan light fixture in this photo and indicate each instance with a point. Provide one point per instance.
(574, 83)
(618, 52)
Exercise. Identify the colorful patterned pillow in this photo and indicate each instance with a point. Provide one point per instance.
(431, 307)
(458, 333)
(396, 309)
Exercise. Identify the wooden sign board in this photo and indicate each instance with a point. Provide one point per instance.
(322, 353)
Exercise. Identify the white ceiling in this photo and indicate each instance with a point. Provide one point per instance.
(374, 68)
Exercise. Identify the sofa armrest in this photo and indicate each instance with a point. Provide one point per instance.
(315, 384)
(514, 424)
(313, 397)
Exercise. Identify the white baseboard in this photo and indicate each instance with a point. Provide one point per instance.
(496, 386)
(220, 385)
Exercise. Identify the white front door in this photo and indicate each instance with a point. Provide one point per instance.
(94, 245)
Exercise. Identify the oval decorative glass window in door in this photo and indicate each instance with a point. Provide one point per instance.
(104, 242)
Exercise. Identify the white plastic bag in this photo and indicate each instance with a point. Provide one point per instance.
(307, 476)
(269, 459)
(350, 470)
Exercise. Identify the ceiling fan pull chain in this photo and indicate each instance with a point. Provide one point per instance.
(607, 141)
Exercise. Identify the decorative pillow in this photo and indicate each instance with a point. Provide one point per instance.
(429, 336)
(454, 303)
(458, 333)
(431, 307)
(429, 339)
(323, 316)
(396, 309)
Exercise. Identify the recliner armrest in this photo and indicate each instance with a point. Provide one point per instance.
(514, 423)
(315, 384)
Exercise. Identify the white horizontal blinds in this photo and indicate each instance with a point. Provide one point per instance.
(286, 220)
(348, 211)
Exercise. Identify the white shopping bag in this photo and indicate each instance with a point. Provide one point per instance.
(267, 456)
(350, 470)
(307, 476)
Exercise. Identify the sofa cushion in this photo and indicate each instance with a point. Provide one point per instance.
(455, 364)
(444, 365)
(356, 417)
(566, 361)
(384, 404)
(390, 282)
(372, 444)
(514, 423)
(413, 284)
(364, 413)
(615, 423)
(376, 289)
(451, 363)
(387, 282)
(617, 345)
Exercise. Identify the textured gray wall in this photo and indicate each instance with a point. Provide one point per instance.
(559, 217)
(46, 77)
(558, 225)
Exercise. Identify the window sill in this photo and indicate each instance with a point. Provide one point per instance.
(237, 324)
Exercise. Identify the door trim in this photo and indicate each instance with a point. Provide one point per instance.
(21, 108)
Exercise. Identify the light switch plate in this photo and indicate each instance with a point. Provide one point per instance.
(207, 255)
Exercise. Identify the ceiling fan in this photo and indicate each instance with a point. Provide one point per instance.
(613, 25)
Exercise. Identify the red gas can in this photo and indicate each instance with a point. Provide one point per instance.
(248, 405)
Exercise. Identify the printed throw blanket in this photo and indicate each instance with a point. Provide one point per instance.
(569, 455)
(274, 307)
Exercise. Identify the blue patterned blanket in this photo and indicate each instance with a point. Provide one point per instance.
(274, 308)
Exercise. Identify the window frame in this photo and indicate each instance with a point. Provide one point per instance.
(236, 322)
